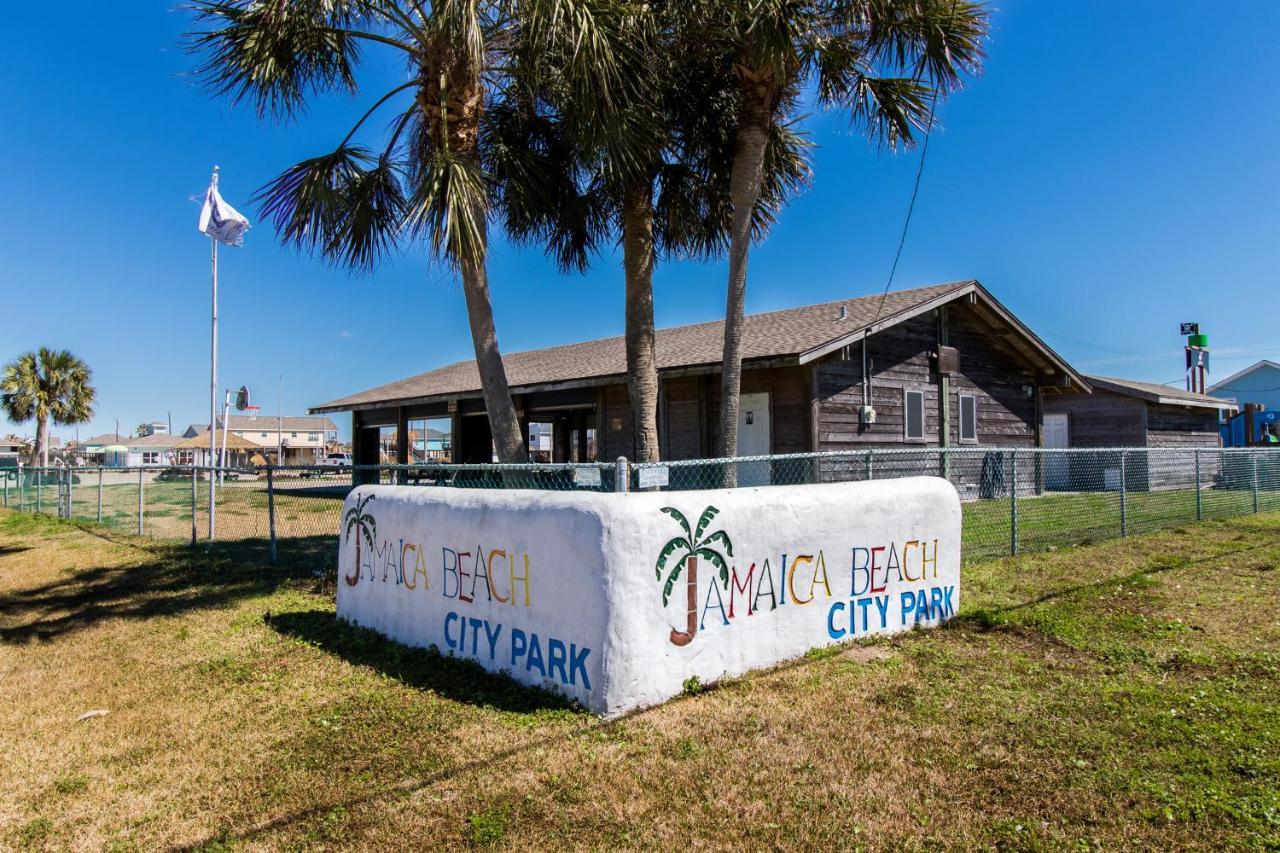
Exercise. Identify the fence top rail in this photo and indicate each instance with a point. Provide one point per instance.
(932, 452)
(875, 452)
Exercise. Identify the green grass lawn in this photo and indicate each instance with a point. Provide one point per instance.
(1122, 695)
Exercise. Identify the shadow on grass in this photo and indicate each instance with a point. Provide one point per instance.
(990, 617)
(169, 580)
(423, 669)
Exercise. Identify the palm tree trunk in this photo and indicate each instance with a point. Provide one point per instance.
(642, 364)
(354, 578)
(503, 423)
(745, 179)
(685, 637)
(40, 450)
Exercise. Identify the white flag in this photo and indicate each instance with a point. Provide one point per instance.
(220, 220)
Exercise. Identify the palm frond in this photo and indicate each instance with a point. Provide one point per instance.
(716, 559)
(679, 517)
(721, 537)
(667, 550)
(276, 54)
(708, 515)
(671, 582)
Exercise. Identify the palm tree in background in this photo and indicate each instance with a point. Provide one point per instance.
(647, 166)
(46, 385)
(430, 182)
(884, 62)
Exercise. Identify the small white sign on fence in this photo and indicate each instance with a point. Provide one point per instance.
(652, 478)
(586, 476)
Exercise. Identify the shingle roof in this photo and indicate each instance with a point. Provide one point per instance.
(1162, 394)
(775, 334)
(268, 423)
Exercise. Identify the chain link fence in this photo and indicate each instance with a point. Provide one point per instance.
(1013, 499)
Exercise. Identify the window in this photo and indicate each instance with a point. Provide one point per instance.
(313, 436)
(913, 415)
(293, 435)
(264, 435)
(968, 418)
(150, 457)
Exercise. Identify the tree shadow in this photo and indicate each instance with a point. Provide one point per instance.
(454, 678)
(174, 579)
(6, 550)
(987, 618)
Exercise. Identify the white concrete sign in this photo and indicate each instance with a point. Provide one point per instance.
(617, 599)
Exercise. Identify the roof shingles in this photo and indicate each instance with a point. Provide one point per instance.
(775, 334)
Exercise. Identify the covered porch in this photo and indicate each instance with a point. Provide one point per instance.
(558, 426)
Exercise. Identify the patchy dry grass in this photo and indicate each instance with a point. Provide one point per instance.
(1123, 695)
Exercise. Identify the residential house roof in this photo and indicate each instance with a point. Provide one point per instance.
(153, 440)
(105, 440)
(269, 423)
(790, 336)
(1160, 394)
(200, 441)
(1240, 374)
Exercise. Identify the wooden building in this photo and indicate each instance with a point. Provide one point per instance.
(1128, 413)
(937, 366)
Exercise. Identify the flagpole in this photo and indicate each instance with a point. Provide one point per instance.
(213, 379)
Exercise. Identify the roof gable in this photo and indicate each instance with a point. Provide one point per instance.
(1225, 384)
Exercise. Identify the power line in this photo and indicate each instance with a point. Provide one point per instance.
(915, 189)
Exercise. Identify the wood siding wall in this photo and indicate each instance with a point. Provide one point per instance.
(899, 360)
(1101, 419)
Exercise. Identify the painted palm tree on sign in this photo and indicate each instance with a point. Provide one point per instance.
(365, 527)
(687, 549)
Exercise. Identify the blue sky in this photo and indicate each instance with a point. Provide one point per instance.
(1112, 173)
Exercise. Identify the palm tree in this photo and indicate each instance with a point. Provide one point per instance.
(365, 527)
(688, 549)
(645, 165)
(46, 385)
(431, 180)
(883, 61)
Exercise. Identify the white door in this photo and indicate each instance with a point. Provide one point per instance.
(753, 439)
(1056, 436)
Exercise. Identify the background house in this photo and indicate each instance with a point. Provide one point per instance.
(300, 440)
(940, 366)
(1256, 393)
(12, 447)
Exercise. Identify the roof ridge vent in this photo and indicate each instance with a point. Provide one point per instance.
(844, 313)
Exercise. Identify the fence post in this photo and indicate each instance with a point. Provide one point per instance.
(140, 470)
(99, 494)
(1199, 497)
(1124, 494)
(1254, 454)
(6, 489)
(71, 482)
(40, 491)
(194, 499)
(1013, 502)
(22, 491)
(621, 475)
(213, 504)
(870, 467)
(271, 511)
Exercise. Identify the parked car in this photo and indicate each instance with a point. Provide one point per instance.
(336, 461)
